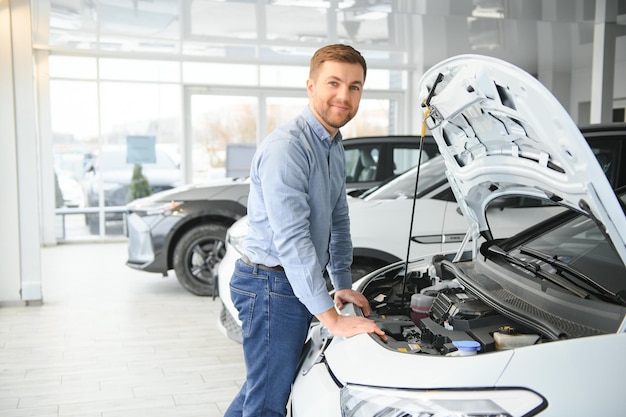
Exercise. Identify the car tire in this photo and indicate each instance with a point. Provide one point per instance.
(196, 257)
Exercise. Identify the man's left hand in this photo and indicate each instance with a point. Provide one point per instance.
(348, 295)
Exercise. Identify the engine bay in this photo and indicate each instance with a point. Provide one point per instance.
(452, 315)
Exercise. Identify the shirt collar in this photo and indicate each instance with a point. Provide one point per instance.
(319, 130)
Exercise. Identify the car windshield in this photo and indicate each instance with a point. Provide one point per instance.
(580, 246)
(432, 174)
(112, 160)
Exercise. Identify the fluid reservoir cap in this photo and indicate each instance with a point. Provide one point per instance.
(467, 345)
(506, 330)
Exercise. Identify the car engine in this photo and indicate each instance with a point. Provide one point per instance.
(451, 317)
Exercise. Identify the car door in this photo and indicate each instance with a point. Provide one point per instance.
(362, 162)
(399, 157)
(372, 161)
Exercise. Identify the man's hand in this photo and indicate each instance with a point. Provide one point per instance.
(348, 295)
(347, 326)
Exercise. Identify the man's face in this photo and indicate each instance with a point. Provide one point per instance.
(335, 94)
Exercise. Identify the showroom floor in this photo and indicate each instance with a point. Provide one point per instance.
(110, 341)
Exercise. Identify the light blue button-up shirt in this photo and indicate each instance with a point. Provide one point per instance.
(298, 211)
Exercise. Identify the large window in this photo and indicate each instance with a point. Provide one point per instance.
(97, 107)
(204, 81)
(225, 129)
(218, 122)
(227, 29)
(99, 104)
(131, 68)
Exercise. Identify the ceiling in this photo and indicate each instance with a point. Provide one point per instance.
(394, 33)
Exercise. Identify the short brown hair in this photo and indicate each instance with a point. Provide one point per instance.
(337, 52)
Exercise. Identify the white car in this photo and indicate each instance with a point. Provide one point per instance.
(530, 325)
(380, 217)
(379, 222)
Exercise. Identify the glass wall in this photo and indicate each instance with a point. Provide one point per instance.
(98, 108)
(100, 104)
(159, 69)
(199, 83)
(217, 122)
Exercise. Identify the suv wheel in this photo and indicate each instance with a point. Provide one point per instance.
(196, 257)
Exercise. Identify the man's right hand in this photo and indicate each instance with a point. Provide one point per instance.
(347, 326)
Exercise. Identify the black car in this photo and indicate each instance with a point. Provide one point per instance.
(184, 228)
(608, 143)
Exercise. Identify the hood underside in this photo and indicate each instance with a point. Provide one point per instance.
(502, 133)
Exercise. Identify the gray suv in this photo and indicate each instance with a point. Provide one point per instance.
(184, 228)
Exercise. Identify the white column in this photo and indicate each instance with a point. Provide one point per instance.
(41, 30)
(603, 66)
(20, 237)
(10, 268)
(554, 58)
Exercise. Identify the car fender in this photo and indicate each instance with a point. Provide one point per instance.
(543, 368)
(199, 212)
(375, 255)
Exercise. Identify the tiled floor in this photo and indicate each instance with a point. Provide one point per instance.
(110, 341)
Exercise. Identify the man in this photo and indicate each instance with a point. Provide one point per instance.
(298, 227)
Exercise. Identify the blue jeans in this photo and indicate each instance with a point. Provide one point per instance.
(274, 328)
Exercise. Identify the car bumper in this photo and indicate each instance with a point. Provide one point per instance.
(314, 376)
(229, 326)
(325, 402)
(228, 321)
(146, 245)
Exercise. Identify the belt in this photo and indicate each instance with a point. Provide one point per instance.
(276, 268)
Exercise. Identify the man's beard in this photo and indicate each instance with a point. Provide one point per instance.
(334, 120)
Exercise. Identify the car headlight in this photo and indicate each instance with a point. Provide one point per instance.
(360, 401)
(236, 234)
(166, 209)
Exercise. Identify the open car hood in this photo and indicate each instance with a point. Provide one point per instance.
(502, 133)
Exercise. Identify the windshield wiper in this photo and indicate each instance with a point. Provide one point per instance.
(563, 267)
(536, 269)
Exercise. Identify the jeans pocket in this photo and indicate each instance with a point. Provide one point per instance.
(244, 303)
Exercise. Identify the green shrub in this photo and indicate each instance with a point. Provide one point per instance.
(139, 186)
